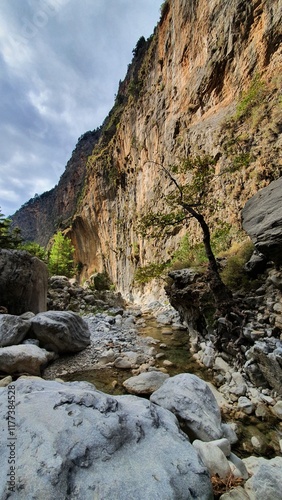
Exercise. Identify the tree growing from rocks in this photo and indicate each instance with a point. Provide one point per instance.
(61, 256)
(186, 201)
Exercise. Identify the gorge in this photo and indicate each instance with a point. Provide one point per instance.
(204, 90)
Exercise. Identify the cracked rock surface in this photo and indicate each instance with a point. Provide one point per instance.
(76, 442)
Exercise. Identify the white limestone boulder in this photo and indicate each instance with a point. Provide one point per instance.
(24, 359)
(76, 442)
(194, 404)
(145, 383)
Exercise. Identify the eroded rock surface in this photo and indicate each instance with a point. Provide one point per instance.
(27, 358)
(61, 331)
(23, 282)
(12, 329)
(98, 446)
(194, 404)
(262, 220)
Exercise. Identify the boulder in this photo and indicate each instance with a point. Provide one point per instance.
(194, 404)
(213, 457)
(145, 383)
(262, 220)
(61, 331)
(265, 363)
(24, 359)
(76, 442)
(13, 329)
(23, 282)
(189, 294)
(266, 478)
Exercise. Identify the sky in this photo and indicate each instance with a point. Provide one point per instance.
(60, 66)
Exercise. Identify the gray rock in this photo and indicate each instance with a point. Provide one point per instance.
(12, 329)
(213, 458)
(267, 356)
(23, 282)
(246, 405)
(61, 331)
(145, 383)
(194, 404)
(24, 359)
(277, 410)
(76, 442)
(262, 220)
(266, 479)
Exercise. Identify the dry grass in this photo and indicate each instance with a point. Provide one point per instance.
(221, 486)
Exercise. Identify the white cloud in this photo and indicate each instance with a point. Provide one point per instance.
(60, 64)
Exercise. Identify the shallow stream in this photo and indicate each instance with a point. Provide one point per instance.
(174, 345)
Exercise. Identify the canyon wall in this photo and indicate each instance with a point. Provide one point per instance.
(206, 84)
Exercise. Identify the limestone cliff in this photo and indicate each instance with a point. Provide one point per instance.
(43, 215)
(207, 83)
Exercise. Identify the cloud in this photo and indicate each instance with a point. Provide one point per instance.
(60, 64)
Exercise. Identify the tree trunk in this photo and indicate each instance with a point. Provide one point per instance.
(222, 295)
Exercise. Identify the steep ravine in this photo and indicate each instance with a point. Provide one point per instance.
(208, 82)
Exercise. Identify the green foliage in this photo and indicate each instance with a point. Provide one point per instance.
(253, 96)
(234, 275)
(61, 256)
(9, 238)
(145, 274)
(189, 255)
(34, 249)
(194, 255)
(164, 8)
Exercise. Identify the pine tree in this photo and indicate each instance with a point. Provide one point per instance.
(61, 256)
(9, 238)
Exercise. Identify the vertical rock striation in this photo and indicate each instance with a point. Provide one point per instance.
(205, 84)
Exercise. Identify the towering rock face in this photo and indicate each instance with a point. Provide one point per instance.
(43, 215)
(204, 85)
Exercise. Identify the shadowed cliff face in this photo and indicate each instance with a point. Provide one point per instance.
(206, 83)
(43, 215)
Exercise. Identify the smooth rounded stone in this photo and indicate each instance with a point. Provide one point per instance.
(85, 444)
(277, 410)
(213, 458)
(237, 466)
(230, 433)
(61, 331)
(6, 381)
(167, 363)
(13, 329)
(246, 405)
(123, 363)
(265, 482)
(129, 359)
(160, 355)
(223, 444)
(194, 404)
(24, 359)
(145, 383)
